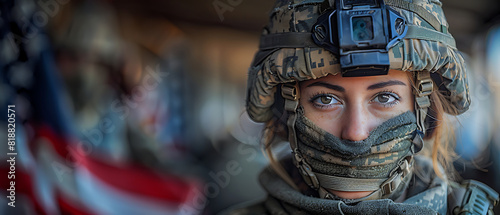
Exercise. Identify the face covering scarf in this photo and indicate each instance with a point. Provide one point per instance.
(381, 163)
(428, 195)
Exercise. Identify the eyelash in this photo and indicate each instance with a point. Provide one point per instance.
(390, 93)
(324, 94)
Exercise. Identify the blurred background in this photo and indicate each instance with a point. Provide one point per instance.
(137, 107)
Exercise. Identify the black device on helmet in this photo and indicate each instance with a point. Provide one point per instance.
(368, 30)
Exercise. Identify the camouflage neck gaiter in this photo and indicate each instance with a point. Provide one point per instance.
(366, 165)
(427, 194)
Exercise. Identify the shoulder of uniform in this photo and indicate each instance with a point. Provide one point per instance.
(472, 197)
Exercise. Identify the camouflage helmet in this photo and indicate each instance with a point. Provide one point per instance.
(428, 46)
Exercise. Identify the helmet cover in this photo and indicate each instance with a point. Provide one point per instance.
(427, 52)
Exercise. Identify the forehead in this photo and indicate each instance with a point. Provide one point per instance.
(402, 76)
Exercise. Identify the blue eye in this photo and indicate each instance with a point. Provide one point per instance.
(324, 100)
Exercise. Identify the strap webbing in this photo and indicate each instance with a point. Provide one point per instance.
(421, 11)
(287, 40)
(421, 113)
(423, 33)
(273, 42)
(290, 92)
(348, 184)
(292, 118)
(424, 87)
(382, 187)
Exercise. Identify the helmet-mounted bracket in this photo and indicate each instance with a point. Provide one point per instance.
(361, 32)
(423, 89)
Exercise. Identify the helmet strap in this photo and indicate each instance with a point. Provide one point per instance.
(290, 92)
(423, 88)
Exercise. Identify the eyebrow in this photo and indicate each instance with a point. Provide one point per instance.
(385, 84)
(327, 85)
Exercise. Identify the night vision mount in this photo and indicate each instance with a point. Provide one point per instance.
(361, 32)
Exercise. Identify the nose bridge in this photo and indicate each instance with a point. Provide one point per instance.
(356, 123)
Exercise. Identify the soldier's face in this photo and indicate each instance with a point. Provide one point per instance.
(350, 107)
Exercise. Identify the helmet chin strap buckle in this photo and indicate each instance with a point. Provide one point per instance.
(403, 170)
(306, 170)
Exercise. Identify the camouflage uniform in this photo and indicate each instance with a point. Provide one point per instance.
(287, 56)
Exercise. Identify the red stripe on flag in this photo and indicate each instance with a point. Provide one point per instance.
(139, 180)
(59, 142)
(69, 208)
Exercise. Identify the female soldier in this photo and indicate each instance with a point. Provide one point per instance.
(356, 87)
